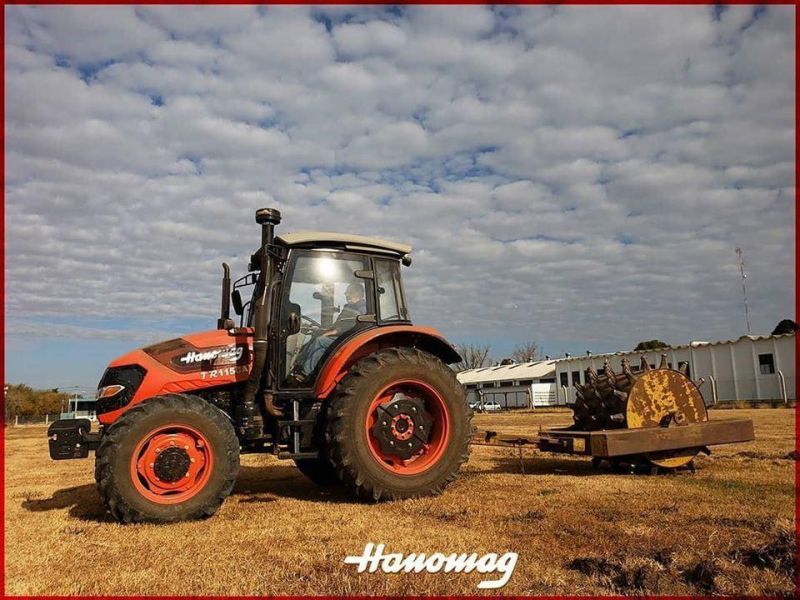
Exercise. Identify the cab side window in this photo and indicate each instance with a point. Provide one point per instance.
(391, 304)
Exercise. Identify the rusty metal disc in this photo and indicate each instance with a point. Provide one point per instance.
(666, 397)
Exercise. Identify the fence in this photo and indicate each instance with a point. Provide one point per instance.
(20, 420)
(773, 388)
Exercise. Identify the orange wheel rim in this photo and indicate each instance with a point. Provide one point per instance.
(171, 464)
(406, 430)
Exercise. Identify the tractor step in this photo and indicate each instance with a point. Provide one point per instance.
(298, 423)
(295, 455)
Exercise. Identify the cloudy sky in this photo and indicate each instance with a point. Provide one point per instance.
(579, 176)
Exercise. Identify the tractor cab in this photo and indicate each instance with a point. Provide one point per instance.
(334, 287)
(327, 288)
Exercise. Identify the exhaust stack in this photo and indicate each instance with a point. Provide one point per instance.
(248, 418)
(224, 321)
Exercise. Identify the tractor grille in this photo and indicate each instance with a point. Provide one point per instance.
(130, 376)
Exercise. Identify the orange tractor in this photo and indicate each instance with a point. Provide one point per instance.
(324, 368)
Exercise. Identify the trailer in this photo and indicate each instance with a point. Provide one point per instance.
(653, 418)
(631, 447)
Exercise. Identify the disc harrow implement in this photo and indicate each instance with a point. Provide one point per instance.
(643, 416)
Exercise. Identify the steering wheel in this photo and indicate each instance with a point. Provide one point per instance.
(312, 321)
(314, 329)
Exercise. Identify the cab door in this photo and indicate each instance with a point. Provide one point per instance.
(329, 294)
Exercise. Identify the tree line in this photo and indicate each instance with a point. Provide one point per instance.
(22, 400)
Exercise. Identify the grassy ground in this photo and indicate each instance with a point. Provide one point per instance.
(726, 529)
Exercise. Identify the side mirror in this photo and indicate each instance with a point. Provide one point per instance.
(293, 323)
(236, 298)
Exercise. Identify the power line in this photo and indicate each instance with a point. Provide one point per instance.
(744, 289)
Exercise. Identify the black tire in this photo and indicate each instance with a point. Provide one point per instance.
(114, 455)
(346, 437)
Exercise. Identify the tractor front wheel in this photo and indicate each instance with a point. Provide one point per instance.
(171, 458)
(398, 425)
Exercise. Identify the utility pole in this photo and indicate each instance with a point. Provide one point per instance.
(744, 289)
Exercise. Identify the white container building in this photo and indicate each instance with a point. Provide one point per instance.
(751, 368)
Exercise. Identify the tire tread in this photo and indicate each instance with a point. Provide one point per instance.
(346, 396)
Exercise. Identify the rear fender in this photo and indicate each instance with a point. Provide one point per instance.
(427, 339)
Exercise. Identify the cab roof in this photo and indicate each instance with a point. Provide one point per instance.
(349, 241)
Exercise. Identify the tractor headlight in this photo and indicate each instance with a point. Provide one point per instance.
(109, 391)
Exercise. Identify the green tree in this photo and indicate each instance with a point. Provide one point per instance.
(650, 345)
(22, 400)
(785, 326)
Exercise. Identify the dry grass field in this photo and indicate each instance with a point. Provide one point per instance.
(728, 528)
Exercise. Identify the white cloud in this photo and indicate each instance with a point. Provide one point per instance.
(363, 40)
(578, 174)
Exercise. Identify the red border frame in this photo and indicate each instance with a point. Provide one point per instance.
(408, 2)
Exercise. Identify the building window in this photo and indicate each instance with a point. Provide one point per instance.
(576, 378)
(526, 382)
(766, 364)
(547, 380)
(564, 380)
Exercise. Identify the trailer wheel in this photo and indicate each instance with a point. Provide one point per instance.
(171, 458)
(398, 425)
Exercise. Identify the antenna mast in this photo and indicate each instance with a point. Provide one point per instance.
(744, 289)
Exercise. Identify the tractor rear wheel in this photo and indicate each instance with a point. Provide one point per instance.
(171, 458)
(398, 425)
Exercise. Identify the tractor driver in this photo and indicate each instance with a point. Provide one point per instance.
(356, 305)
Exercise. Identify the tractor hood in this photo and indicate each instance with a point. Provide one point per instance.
(192, 362)
(204, 350)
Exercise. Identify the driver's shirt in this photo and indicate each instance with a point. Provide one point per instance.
(347, 318)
